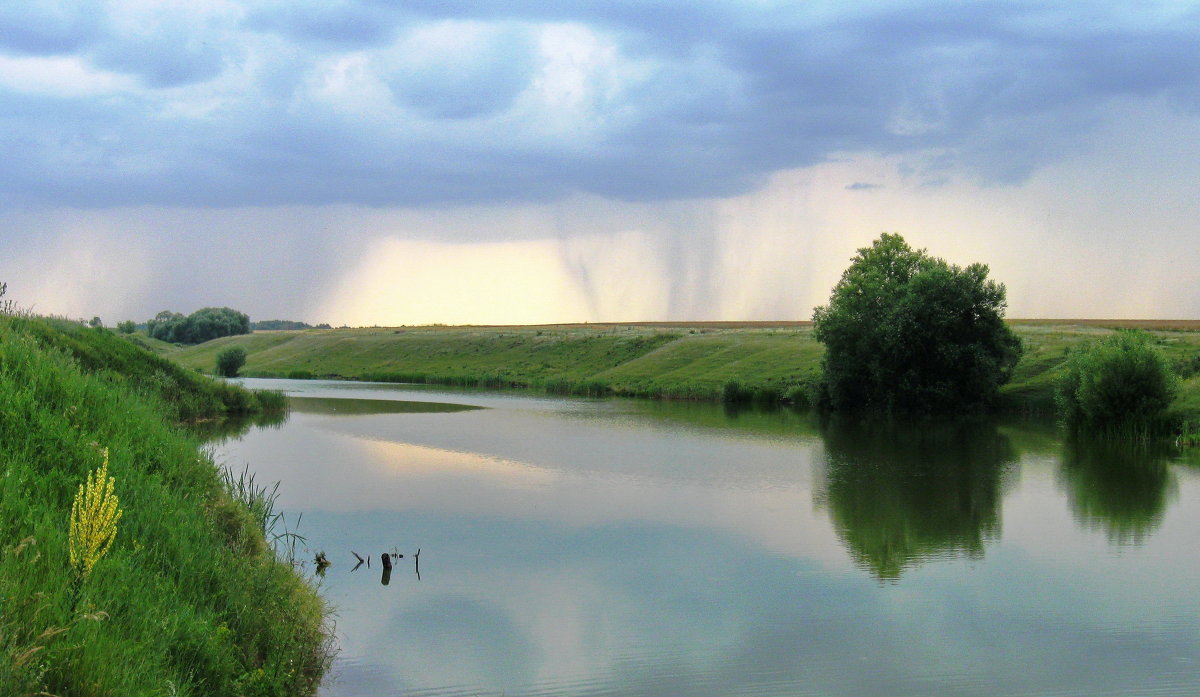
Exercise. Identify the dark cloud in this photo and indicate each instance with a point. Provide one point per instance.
(168, 58)
(47, 28)
(455, 82)
(355, 102)
(345, 24)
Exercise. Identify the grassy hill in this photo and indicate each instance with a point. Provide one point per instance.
(189, 395)
(190, 599)
(670, 360)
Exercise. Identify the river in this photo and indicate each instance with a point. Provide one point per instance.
(621, 547)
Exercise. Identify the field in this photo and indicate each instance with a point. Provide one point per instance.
(677, 360)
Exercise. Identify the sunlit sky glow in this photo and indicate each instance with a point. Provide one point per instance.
(364, 162)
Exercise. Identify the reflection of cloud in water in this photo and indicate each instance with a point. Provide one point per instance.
(636, 476)
(661, 611)
(484, 644)
(419, 461)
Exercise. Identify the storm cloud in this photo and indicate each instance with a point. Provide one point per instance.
(255, 103)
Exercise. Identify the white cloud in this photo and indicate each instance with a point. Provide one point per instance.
(60, 77)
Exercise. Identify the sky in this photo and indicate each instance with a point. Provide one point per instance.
(370, 162)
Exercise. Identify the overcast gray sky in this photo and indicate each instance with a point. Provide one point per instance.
(378, 162)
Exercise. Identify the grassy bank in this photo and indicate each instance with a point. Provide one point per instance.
(678, 362)
(704, 361)
(190, 599)
(188, 395)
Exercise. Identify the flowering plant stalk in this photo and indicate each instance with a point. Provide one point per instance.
(94, 516)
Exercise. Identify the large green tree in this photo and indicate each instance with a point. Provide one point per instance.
(907, 333)
(200, 326)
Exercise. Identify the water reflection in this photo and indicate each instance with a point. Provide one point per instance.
(642, 548)
(234, 427)
(1121, 488)
(361, 407)
(900, 494)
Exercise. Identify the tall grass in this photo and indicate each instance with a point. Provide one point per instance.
(259, 500)
(189, 600)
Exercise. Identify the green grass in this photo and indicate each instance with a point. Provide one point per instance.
(673, 362)
(190, 599)
(595, 360)
(189, 395)
(1047, 347)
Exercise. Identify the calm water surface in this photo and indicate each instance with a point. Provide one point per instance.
(575, 547)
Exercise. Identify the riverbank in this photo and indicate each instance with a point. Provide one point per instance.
(191, 599)
(711, 361)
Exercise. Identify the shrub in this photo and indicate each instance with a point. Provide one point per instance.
(1119, 383)
(734, 392)
(798, 396)
(230, 361)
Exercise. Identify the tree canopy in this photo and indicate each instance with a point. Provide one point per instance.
(198, 327)
(908, 333)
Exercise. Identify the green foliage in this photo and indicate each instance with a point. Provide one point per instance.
(127, 327)
(96, 323)
(798, 396)
(1187, 367)
(1119, 383)
(200, 326)
(1189, 435)
(230, 361)
(285, 324)
(908, 333)
(733, 392)
(188, 600)
(278, 324)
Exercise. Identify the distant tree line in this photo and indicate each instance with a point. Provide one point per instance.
(276, 324)
(200, 326)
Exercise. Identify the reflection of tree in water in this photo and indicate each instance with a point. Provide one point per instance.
(1120, 487)
(900, 494)
(220, 431)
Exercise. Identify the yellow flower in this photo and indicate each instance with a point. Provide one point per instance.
(94, 516)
